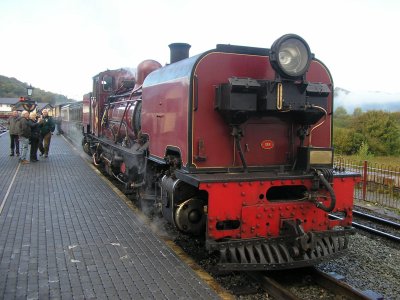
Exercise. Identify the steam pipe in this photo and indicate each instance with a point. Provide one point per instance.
(331, 192)
(129, 104)
(316, 126)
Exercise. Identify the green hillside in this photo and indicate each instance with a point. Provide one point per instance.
(13, 88)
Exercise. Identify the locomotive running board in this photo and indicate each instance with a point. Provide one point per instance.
(278, 253)
(196, 179)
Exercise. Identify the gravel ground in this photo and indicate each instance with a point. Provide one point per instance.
(371, 263)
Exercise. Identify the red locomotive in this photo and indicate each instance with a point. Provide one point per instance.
(234, 143)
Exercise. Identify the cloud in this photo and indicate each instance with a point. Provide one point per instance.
(366, 100)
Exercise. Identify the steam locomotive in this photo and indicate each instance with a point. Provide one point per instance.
(235, 144)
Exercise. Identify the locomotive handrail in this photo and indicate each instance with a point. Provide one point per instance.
(123, 101)
(195, 93)
(118, 95)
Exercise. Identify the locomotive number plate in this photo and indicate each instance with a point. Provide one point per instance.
(267, 144)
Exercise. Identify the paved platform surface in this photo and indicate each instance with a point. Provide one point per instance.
(65, 234)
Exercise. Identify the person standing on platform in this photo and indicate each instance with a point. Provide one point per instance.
(58, 125)
(13, 130)
(47, 126)
(24, 135)
(35, 133)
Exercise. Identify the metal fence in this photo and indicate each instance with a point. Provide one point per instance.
(379, 183)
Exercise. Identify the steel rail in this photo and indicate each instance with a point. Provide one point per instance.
(324, 280)
(377, 232)
(272, 287)
(371, 230)
(377, 219)
(336, 286)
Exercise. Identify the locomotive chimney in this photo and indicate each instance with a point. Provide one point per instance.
(179, 51)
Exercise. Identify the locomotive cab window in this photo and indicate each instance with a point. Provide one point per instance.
(107, 83)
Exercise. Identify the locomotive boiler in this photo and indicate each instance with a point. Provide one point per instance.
(234, 143)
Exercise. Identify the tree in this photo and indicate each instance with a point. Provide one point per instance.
(340, 112)
(357, 112)
(13, 88)
(346, 140)
(340, 118)
(380, 131)
(363, 153)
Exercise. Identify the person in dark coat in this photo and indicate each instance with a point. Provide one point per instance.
(47, 126)
(13, 130)
(35, 133)
(58, 122)
(24, 135)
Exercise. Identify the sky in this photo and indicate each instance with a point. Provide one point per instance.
(59, 45)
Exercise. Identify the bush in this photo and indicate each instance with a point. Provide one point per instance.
(363, 152)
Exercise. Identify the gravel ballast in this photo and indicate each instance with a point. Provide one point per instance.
(371, 263)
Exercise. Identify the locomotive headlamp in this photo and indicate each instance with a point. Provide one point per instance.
(290, 56)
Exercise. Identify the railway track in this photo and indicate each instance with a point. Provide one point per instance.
(388, 225)
(376, 219)
(278, 285)
(375, 225)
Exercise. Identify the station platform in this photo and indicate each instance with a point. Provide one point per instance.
(66, 234)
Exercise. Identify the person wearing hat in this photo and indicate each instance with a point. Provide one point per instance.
(47, 126)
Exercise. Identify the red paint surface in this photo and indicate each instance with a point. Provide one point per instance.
(259, 217)
(165, 117)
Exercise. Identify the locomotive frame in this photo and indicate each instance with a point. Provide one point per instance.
(234, 143)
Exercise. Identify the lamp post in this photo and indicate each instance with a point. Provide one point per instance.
(29, 90)
(29, 104)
